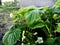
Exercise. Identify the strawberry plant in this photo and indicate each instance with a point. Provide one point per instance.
(35, 26)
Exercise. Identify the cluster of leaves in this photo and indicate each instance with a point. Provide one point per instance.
(26, 22)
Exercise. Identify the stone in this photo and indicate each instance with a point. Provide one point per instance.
(37, 3)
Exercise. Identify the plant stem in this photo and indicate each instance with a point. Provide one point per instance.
(48, 29)
(23, 37)
(50, 35)
(46, 33)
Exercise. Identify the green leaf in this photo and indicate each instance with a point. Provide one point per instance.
(11, 37)
(56, 7)
(49, 41)
(32, 16)
(37, 25)
(57, 3)
(26, 9)
(58, 27)
(33, 19)
(52, 41)
(57, 41)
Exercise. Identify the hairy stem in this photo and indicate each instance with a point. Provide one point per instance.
(50, 35)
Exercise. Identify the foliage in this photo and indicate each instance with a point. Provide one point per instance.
(11, 35)
(29, 21)
(8, 7)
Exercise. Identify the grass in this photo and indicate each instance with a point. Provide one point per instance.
(8, 7)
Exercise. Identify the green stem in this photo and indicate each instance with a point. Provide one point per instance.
(23, 37)
(50, 35)
(46, 33)
(48, 29)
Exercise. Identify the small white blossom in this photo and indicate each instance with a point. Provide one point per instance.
(11, 14)
(35, 33)
(39, 40)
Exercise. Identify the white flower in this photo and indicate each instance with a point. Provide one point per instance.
(35, 33)
(11, 15)
(39, 40)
